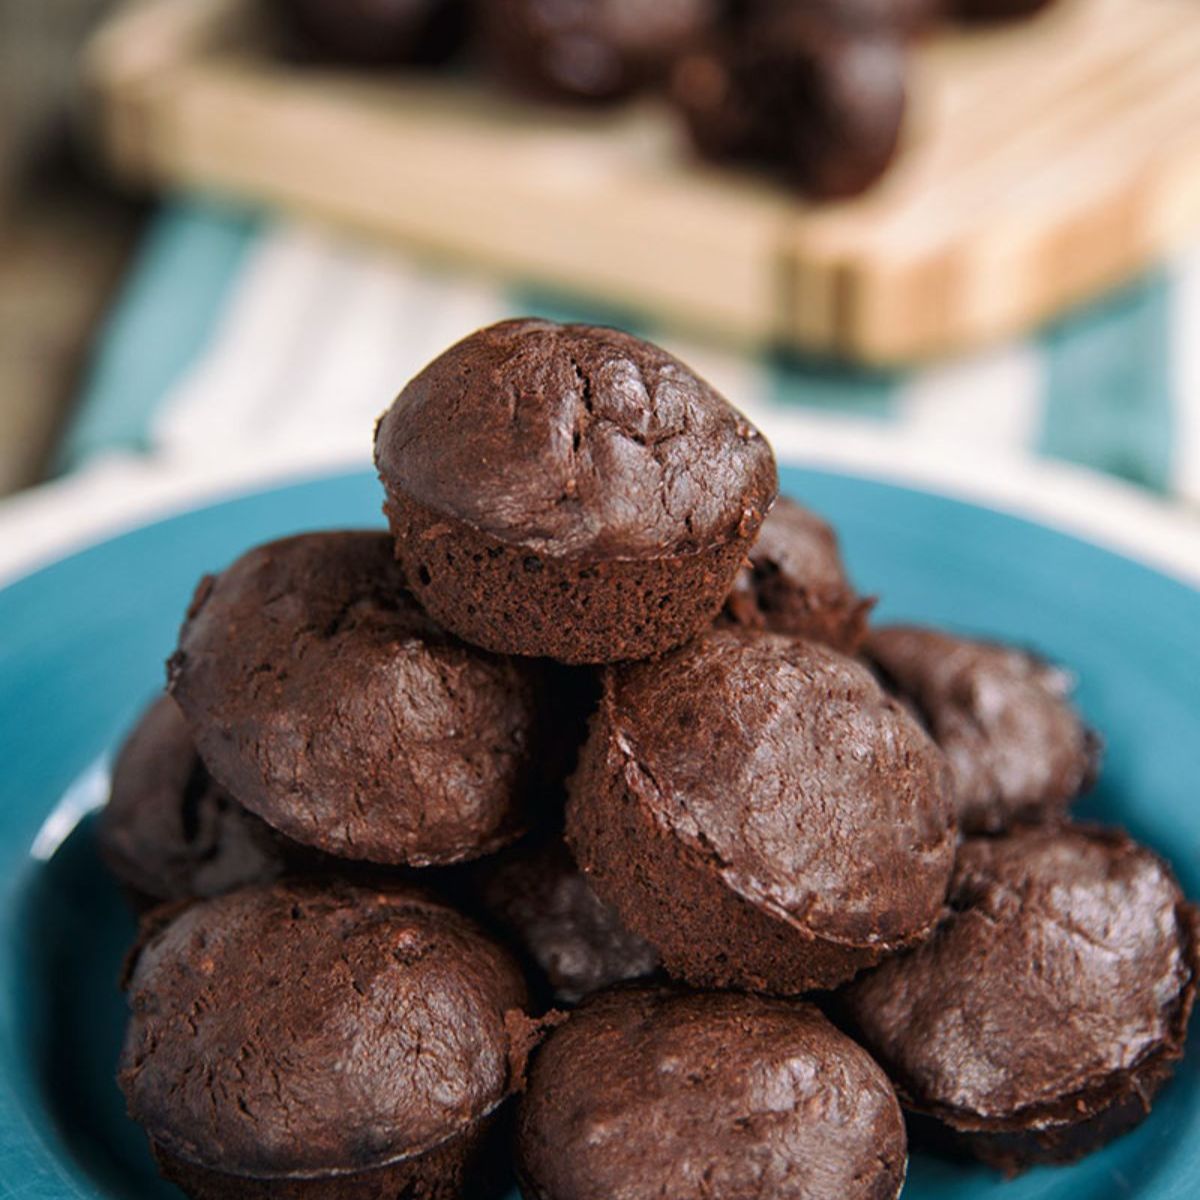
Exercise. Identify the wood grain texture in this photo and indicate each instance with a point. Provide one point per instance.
(1044, 161)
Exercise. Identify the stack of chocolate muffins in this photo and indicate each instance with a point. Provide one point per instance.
(580, 828)
(813, 92)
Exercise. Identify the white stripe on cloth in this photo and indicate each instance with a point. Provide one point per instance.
(317, 338)
(250, 353)
(988, 404)
(1185, 348)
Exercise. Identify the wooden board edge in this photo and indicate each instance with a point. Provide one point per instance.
(153, 80)
(130, 59)
(1032, 276)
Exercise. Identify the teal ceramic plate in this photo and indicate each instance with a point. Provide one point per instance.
(81, 649)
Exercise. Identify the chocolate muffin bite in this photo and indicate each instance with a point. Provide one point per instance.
(589, 51)
(645, 1093)
(761, 811)
(1017, 749)
(169, 832)
(1044, 1014)
(794, 582)
(801, 96)
(300, 1042)
(543, 903)
(323, 697)
(570, 491)
(377, 32)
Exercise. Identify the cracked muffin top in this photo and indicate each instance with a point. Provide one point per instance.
(1016, 747)
(1066, 962)
(295, 1029)
(787, 769)
(648, 1092)
(576, 441)
(321, 695)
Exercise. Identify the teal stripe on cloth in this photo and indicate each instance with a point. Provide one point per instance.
(1108, 385)
(834, 387)
(162, 320)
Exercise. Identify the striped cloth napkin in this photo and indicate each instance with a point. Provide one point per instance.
(238, 331)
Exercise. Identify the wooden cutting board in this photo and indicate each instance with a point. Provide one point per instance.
(1044, 161)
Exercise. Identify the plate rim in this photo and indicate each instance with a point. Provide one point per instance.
(121, 493)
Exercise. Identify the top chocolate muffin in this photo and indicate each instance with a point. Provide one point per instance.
(570, 491)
